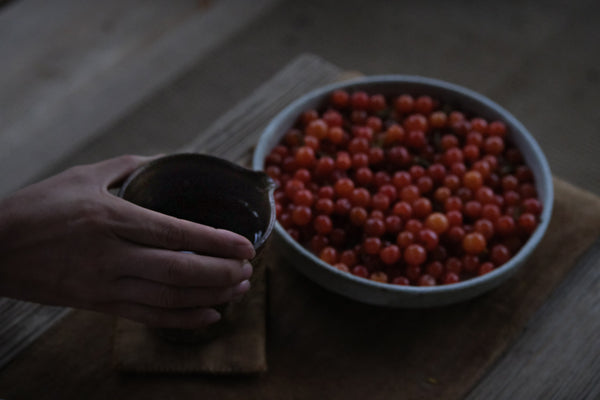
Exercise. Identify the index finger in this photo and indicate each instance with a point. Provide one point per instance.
(151, 228)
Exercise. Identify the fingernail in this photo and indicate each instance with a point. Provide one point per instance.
(243, 247)
(247, 270)
(212, 316)
(241, 288)
(240, 291)
(252, 252)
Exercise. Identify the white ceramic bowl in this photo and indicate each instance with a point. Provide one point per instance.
(384, 294)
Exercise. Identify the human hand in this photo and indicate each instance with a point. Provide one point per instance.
(68, 241)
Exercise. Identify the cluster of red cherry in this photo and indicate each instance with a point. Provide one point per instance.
(403, 190)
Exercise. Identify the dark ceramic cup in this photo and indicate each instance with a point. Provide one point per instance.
(214, 192)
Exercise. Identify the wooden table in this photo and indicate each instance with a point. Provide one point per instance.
(555, 353)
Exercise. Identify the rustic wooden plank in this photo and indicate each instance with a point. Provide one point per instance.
(76, 67)
(21, 323)
(11, 311)
(558, 356)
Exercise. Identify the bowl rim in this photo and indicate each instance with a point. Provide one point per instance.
(506, 269)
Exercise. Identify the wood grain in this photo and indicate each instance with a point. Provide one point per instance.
(558, 355)
(21, 323)
(321, 345)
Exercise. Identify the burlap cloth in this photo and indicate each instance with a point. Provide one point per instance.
(238, 348)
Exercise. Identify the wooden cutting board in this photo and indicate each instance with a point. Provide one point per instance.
(321, 345)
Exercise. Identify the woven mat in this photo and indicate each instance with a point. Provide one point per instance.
(239, 349)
